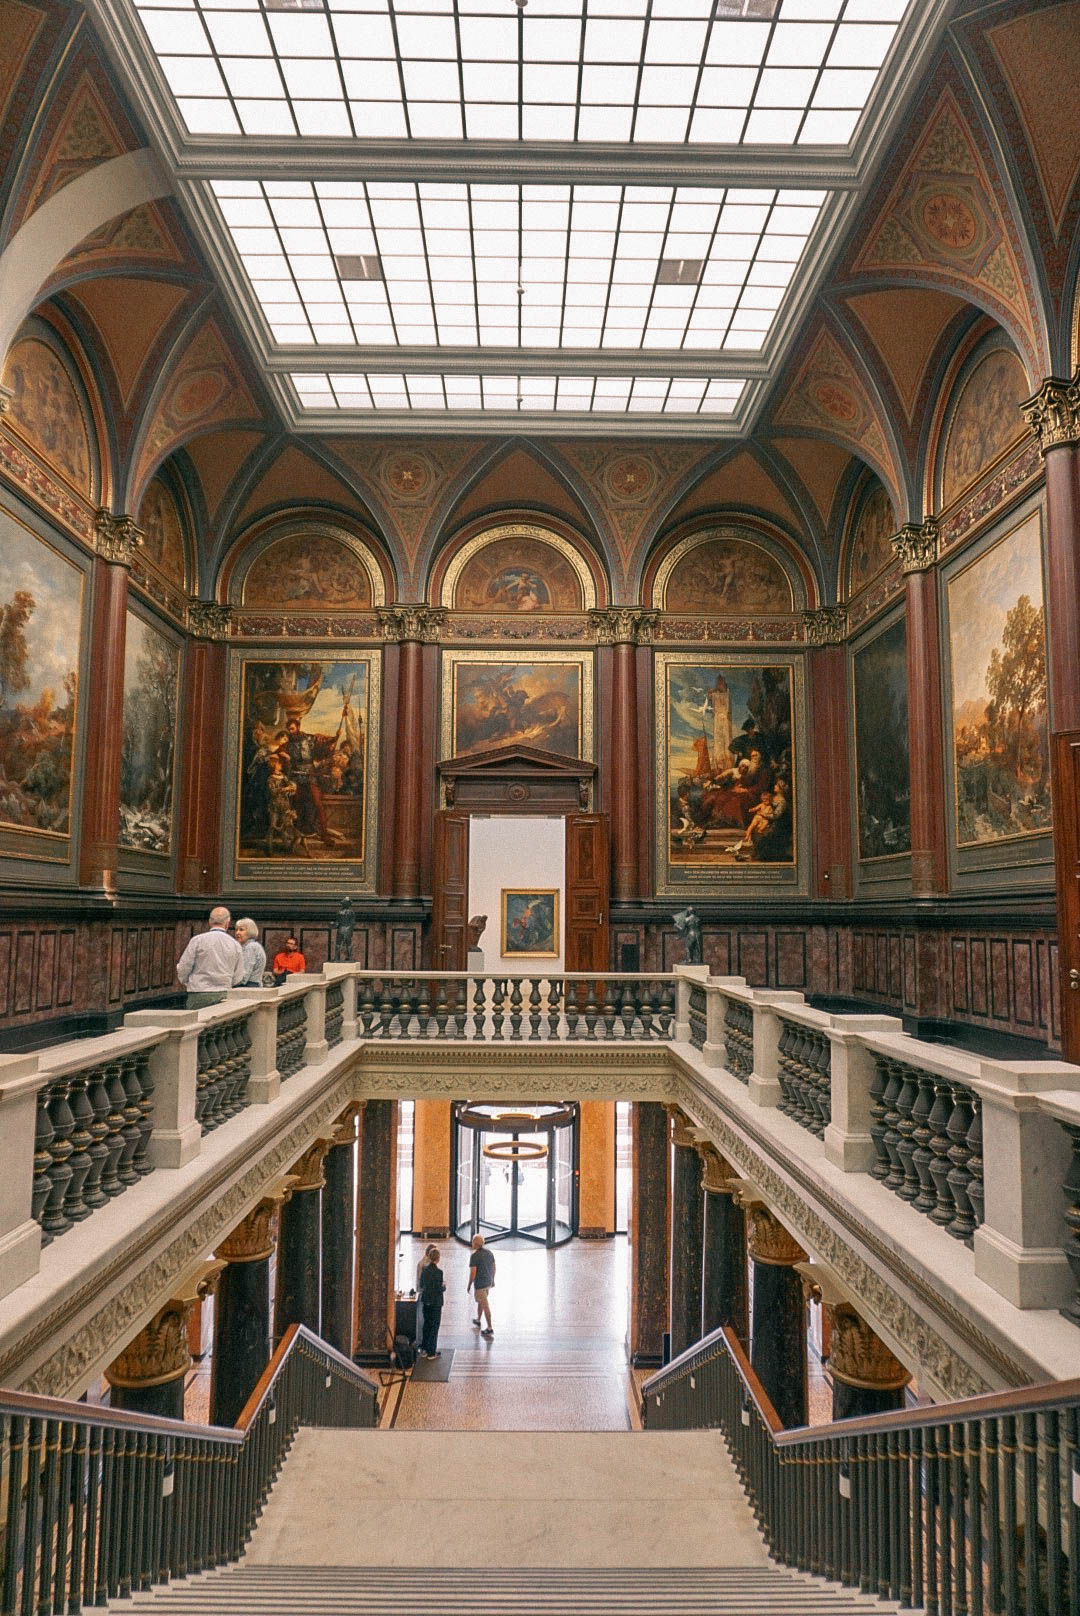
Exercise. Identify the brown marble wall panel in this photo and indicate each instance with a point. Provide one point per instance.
(980, 977)
(754, 958)
(24, 971)
(157, 956)
(1023, 983)
(65, 969)
(404, 948)
(881, 963)
(791, 959)
(716, 946)
(45, 987)
(1051, 997)
(145, 978)
(909, 969)
(7, 955)
(116, 967)
(896, 974)
(131, 961)
(999, 978)
(960, 997)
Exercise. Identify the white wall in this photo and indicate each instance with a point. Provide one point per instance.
(511, 850)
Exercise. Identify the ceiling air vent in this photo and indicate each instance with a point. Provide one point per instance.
(359, 266)
(679, 271)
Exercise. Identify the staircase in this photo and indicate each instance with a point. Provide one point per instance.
(451, 1523)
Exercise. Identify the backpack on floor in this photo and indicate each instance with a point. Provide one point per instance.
(404, 1352)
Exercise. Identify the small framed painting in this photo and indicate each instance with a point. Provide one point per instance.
(530, 923)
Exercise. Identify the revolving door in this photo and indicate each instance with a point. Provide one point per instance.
(516, 1172)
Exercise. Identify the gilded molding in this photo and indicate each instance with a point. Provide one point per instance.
(116, 538)
(623, 625)
(422, 623)
(916, 545)
(859, 1357)
(208, 619)
(827, 625)
(1053, 414)
(255, 1236)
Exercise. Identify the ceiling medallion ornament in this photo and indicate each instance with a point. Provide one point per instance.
(1053, 415)
(630, 479)
(406, 475)
(916, 545)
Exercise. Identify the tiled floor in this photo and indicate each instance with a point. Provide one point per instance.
(557, 1361)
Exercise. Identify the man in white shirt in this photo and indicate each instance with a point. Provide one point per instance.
(212, 961)
(247, 935)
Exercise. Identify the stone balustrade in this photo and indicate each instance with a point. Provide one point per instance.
(986, 1151)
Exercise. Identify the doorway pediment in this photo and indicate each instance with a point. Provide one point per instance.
(517, 779)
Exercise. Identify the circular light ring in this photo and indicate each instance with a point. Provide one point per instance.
(516, 1150)
(523, 1118)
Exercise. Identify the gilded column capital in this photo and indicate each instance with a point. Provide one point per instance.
(858, 1357)
(1053, 414)
(116, 538)
(422, 623)
(254, 1238)
(717, 1175)
(623, 625)
(768, 1241)
(916, 545)
(209, 620)
(683, 1133)
(826, 626)
(308, 1171)
(345, 1126)
(159, 1353)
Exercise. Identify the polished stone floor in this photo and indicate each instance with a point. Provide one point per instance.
(557, 1360)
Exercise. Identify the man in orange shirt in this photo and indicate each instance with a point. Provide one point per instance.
(289, 960)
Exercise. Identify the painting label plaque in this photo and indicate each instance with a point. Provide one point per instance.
(40, 642)
(882, 765)
(530, 923)
(306, 752)
(997, 641)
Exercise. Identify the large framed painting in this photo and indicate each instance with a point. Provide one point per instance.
(491, 700)
(997, 671)
(882, 762)
(729, 770)
(530, 923)
(148, 756)
(41, 638)
(304, 757)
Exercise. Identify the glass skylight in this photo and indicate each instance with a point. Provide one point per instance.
(715, 72)
(519, 395)
(517, 266)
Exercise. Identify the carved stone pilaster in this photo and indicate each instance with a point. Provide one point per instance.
(116, 538)
(860, 1358)
(421, 623)
(253, 1240)
(916, 545)
(159, 1353)
(1053, 415)
(768, 1241)
(826, 626)
(209, 620)
(623, 625)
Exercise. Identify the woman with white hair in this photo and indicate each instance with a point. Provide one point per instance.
(247, 935)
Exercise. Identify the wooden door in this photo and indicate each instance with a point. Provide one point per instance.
(450, 896)
(1067, 857)
(588, 866)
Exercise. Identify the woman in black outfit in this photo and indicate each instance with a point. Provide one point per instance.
(432, 1290)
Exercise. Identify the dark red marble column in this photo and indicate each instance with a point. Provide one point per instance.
(115, 538)
(828, 690)
(917, 549)
(298, 1292)
(338, 1233)
(867, 1378)
(649, 1232)
(1054, 417)
(623, 629)
(411, 626)
(201, 777)
(687, 1237)
(376, 1231)
(778, 1326)
(241, 1348)
(723, 1266)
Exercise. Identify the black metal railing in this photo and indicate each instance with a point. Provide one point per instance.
(927, 1136)
(91, 1139)
(739, 1039)
(335, 1013)
(961, 1509)
(804, 1058)
(97, 1504)
(501, 1009)
(291, 1036)
(697, 1015)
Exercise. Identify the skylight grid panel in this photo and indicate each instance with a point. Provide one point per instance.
(437, 393)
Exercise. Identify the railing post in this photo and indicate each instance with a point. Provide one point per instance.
(848, 1144)
(714, 1052)
(1019, 1244)
(174, 1065)
(264, 1084)
(764, 1084)
(345, 973)
(685, 975)
(20, 1234)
